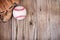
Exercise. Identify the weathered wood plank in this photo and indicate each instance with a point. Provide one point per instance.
(26, 4)
(14, 26)
(43, 23)
(6, 31)
(39, 20)
(55, 20)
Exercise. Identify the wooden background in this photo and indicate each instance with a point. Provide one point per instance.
(41, 23)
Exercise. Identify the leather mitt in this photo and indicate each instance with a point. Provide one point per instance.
(6, 7)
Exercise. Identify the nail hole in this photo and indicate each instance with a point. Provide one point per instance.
(23, 37)
(31, 23)
(36, 39)
(40, 9)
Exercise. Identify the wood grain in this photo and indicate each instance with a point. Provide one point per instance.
(6, 31)
(41, 23)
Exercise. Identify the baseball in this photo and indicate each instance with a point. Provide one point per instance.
(19, 12)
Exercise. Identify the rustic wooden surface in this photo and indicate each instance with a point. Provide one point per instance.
(6, 31)
(41, 23)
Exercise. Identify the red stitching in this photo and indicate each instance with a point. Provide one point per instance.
(20, 16)
(19, 9)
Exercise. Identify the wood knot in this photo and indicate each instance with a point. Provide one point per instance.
(40, 9)
(23, 38)
(36, 39)
(31, 23)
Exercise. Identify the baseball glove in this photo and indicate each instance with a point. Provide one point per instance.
(6, 7)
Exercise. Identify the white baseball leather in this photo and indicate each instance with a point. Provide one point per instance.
(19, 12)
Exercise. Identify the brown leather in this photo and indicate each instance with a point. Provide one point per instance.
(6, 7)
